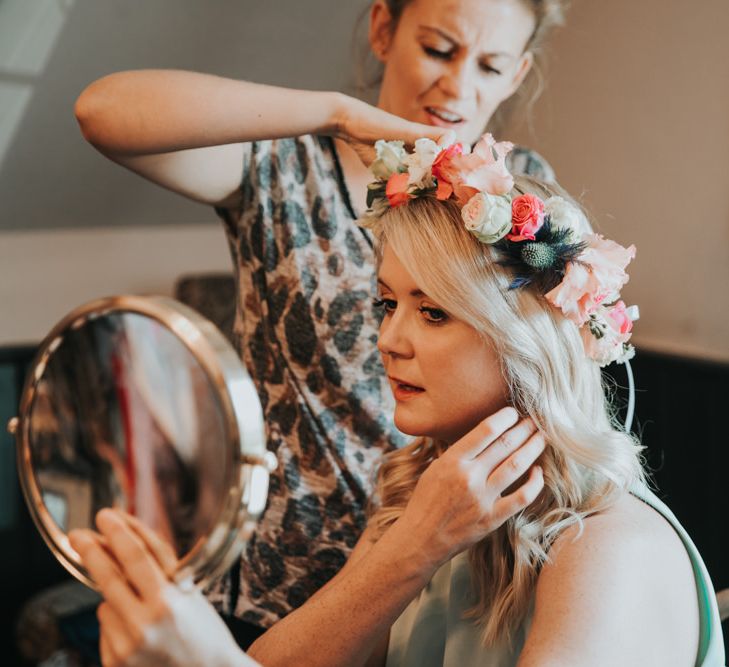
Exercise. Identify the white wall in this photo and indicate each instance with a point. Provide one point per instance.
(47, 273)
(74, 226)
(636, 119)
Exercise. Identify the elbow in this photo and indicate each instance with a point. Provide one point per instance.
(93, 110)
(85, 110)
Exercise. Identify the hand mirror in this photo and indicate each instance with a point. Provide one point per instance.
(140, 403)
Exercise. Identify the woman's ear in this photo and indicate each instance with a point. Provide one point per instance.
(381, 30)
(522, 69)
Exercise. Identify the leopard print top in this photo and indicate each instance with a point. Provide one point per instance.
(306, 330)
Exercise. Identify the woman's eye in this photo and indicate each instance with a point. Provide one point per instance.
(433, 314)
(388, 305)
(437, 53)
(488, 69)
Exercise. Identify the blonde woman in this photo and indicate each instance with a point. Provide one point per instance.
(497, 301)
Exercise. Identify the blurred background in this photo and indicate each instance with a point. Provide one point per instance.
(634, 118)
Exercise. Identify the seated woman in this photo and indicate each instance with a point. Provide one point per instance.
(497, 301)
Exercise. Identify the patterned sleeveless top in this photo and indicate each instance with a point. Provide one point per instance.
(307, 330)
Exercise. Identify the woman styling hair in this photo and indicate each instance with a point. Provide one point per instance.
(283, 169)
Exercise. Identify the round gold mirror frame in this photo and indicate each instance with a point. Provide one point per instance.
(245, 451)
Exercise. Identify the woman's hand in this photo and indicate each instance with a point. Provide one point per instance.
(361, 125)
(469, 491)
(145, 618)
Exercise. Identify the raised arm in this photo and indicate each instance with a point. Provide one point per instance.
(457, 501)
(186, 130)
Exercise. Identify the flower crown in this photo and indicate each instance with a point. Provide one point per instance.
(548, 243)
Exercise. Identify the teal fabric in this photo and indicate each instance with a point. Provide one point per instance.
(711, 641)
(432, 631)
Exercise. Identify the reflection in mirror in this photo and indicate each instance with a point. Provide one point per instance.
(121, 418)
(141, 404)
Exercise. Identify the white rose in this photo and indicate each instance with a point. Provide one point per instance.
(564, 215)
(390, 155)
(487, 217)
(426, 150)
(420, 163)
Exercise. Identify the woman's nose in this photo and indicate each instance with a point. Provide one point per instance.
(457, 81)
(393, 339)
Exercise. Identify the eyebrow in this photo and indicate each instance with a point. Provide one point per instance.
(416, 292)
(446, 36)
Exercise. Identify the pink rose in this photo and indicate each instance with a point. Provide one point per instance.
(574, 295)
(619, 316)
(527, 216)
(605, 336)
(396, 189)
(597, 275)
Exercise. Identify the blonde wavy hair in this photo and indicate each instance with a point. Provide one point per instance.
(589, 460)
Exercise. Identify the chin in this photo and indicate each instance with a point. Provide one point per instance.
(413, 427)
(422, 429)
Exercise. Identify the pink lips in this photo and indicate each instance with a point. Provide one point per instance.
(402, 391)
(437, 119)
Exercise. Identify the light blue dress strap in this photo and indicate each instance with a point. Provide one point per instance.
(433, 632)
(711, 640)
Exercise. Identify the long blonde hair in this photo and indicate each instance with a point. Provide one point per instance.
(588, 460)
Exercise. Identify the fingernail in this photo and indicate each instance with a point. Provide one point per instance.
(104, 516)
(78, 539)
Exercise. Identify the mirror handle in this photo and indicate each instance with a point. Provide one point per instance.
(267, 461)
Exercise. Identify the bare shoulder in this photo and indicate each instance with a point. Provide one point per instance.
(623, 532)
(621, 591)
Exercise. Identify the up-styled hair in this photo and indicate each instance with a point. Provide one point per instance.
(588, 460)
(548, 15)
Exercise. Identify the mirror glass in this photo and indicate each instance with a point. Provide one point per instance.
(142, 405)
(121, 416)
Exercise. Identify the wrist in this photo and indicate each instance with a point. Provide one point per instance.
(339, 105)
(420, 554)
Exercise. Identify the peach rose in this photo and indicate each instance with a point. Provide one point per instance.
(482, 170)
(397, 189)
(443, 170)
